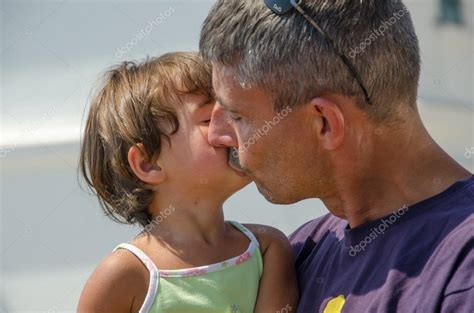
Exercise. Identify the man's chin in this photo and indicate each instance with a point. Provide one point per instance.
(272, 197)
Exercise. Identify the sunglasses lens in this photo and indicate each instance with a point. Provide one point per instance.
(279, 6)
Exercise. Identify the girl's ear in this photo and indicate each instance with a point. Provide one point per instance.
(150, 173)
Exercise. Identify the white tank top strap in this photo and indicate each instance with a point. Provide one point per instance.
(154, 274)
(246, 232)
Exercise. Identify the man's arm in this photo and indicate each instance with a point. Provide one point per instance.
(278, 286)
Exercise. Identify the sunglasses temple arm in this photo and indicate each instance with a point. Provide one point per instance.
(332, 43)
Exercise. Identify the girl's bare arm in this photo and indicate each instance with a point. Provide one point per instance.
(278, 290)
(118, 284)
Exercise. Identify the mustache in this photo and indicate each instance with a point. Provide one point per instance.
(234, 158)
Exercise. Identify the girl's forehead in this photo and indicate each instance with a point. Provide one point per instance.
(193, 102)
(193, 105)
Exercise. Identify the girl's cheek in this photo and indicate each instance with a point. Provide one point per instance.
(204, 131)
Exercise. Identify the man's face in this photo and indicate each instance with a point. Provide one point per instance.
(276, 149)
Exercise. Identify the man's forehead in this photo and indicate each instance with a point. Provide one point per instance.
(233, 93)
(225, 76)
(226, 86)
(223, 70)
(227, 79)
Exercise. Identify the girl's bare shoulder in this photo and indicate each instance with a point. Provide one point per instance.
(268, 236)
(118, 284)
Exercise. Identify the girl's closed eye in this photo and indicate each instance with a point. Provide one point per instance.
(204, 115)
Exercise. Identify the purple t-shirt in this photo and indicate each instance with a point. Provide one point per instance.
(418, 259)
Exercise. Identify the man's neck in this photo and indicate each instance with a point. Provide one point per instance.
(400, 173)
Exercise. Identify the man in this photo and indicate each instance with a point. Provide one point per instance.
(318, 100)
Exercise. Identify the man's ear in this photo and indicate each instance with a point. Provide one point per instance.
(150, 173)
(328, 123)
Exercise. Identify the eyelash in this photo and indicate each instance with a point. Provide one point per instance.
(233, 118)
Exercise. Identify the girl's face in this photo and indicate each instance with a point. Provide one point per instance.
(190, 162)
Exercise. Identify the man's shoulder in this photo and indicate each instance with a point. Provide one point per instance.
(316, 228)
(451, 214)
(460, 233)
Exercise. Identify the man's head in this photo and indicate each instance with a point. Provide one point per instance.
(265, 64)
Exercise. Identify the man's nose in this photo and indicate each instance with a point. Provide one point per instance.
(220, 132)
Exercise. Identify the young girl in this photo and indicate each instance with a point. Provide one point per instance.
(145, 154)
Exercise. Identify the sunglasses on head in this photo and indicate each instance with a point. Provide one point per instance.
(281, 7)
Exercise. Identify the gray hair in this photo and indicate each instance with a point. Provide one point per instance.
(285, 56)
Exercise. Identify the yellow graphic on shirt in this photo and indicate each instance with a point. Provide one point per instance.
(335, 305)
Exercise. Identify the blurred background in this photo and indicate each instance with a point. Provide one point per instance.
(52, 233)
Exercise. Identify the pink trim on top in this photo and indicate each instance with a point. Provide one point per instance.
(154, 281)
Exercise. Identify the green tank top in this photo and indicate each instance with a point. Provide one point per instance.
(230, 286)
